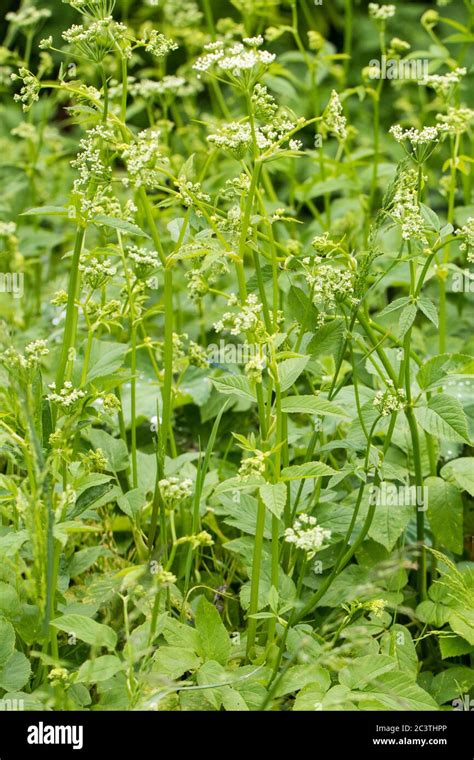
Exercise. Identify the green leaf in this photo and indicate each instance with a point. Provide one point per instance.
(115, 449)
(363, 670)
(214, 643)
(307, 470)
(289, 371)
(460, 472)
(311, 405)
(394, 691)
(407, 317)
(445, 513)
(15, 672)
(454, 646)
(429, 310)
(87, 630)
(235, 385)
(120, 224)
(389, 522)
(299, 676)
(452, 683)
(398, 643)
(181, 635)
(7, 640)
(105, 359)
(172, 662)
(85, 558)
(399, 303)
(273, 496)
(462, 623)
(90, 498)
(327, 340)
(46, 211)
(444, 417)
(100, 669)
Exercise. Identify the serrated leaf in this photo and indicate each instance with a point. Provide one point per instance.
(444, 417)
(445, 513)
(100, 669)
(307, 470)
(460, 472)
(105, 359)
(120, 224)
(214, 642)
(15, 672)
(87, 630)
(429, 310)
(7, 640)
(399, 303)
(407, 317)
(311, 405)
(273, 496)
(289, 371)
(235, 385)
(172, 662)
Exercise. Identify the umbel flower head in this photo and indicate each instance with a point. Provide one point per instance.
(390, 400)
(405, 208)
(243, 63)
(307, 535)
(419, 144)
(466, 233)
(334, 122)
(381, 12)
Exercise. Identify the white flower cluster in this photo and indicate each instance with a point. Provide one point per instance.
(173, 490)
(466, 233)
(390, 400)
(307, 535)
(7, 229)
(34, 351)
(252, 465)
(67, 396)
(88, 161)
(96, 40)
(29, 93)
(190, 192)
(236, 60)
(237, 138)
(443, 84)
(197, 539)
(416, 137)
(334, 122)
(144, 260)
(246, 320)
(149, 88)
(28, 16)
(329, 284)
(405, 208)
(96, 272)
(381, 12)
(456, 120)
(158, 44)
(144, 159)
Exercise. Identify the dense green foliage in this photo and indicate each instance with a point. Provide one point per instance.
(236, 355)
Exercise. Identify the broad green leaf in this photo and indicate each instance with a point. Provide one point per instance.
(311, 405)
(454, 646)
(46, 211)
(214, 642)
(87, 630)
(452, 683)
(389, 522)
(105, 359)
(181, 635)
(15, 672)
(289, 371)
(100, 669)
(92, 497)
(445, 513)
(429, 310)
(327, 340)
(235, 385)
(7, 640)
(399, 303)
(120, 224)
(273, 496)
(310, 698)
(394, 691)
(85, 558)
(433, 613)
(307, 470)
(462, 623)
(444, 417)
(172, 662)
(398, 643)
(361, 671)
(460, 472)
(407, 317)
(299, 676)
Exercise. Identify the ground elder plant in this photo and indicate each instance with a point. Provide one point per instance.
(236, 351)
